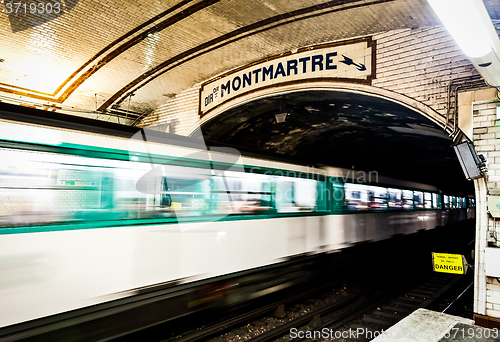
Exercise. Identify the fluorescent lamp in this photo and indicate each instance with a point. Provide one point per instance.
(281, 117)
(466, 22)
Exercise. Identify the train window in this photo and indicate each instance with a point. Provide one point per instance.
(182, 193)
(407, 199)
(236, 193)
(427, 200)
(295, 195)
(356, 196)
(46, 187)
(39, 188)
(446, 202)
(377, 197)
(395, 199)
(435, 201)
(159, 193)
(418, 199)
(453, 202)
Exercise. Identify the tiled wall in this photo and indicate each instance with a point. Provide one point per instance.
(418, 63)
(181, 112)
(492, 297)
(486, 140)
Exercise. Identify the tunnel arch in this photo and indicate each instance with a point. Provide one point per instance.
(341, 125)
(362, 89)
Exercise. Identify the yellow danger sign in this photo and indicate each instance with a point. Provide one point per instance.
(449, 263)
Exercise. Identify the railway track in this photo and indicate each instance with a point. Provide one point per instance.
(208, 331)
(367, 319)
(357, 317)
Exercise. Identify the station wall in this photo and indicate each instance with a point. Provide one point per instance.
(418, 63)
(486, 138)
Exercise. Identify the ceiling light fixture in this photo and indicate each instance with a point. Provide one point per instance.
(281, 117)
(466, 24)
(470, 26)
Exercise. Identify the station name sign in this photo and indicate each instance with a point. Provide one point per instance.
(346, 61)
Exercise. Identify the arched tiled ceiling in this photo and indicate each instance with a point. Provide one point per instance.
(94, 54)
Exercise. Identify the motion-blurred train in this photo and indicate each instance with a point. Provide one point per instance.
(110, 215)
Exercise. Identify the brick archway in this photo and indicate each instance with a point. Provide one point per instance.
(406, 101)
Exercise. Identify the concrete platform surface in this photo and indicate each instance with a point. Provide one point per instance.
(429, 326)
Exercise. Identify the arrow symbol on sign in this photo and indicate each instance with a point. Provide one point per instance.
(349, 61)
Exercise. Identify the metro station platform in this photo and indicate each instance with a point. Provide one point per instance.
(431, 326)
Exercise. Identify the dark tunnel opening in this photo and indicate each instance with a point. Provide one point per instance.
(343, 129)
